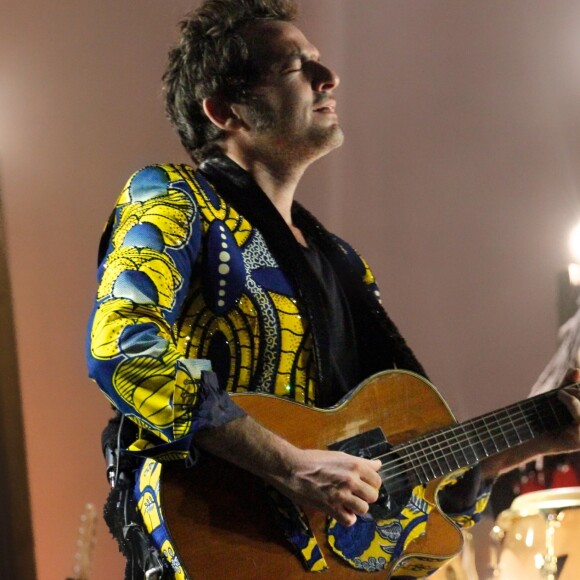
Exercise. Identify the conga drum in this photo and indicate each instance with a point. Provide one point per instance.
(537, 538)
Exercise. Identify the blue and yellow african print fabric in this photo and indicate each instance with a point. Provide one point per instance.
(186, 278)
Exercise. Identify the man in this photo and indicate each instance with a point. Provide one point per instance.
(219, 269)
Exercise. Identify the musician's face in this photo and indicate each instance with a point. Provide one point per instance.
(292, 108)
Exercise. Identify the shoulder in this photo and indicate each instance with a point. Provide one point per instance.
(357, 261)
(153, 182)
(158, 208)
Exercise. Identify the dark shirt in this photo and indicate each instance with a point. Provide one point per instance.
(343, 354)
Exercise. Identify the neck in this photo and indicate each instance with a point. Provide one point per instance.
(277, 181)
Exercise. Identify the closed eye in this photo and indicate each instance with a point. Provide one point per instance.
(294, 66)
(299, 61)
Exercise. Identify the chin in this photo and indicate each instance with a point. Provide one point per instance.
(332, 138)
(311, 146)
(338, 137)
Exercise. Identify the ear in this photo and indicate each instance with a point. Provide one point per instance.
(223, 114)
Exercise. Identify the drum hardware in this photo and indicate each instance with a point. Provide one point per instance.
(496, 535)
(548, 564)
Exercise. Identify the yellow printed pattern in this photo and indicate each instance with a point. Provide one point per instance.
(372, 546)
(149, 506)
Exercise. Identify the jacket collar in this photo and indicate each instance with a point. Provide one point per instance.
(241, 191)
(224, 168)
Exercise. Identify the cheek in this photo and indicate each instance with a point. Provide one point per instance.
(296, 95)
(300, 108)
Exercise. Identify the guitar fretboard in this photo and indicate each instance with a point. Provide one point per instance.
(465, 444)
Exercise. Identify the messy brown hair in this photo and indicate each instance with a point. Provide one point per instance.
(211, 59)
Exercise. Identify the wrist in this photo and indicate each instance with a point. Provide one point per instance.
(284, 464)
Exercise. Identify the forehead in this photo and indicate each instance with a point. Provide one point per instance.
(272, 41)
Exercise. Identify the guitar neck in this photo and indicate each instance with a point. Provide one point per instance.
(466, 444)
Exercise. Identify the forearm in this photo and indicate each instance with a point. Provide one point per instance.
(507, 460)
(248, 445)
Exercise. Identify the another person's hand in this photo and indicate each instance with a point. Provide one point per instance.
(569, 440)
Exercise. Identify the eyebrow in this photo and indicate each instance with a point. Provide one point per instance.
(299, 54)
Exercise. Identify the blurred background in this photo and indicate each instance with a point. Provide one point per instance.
(458, 181)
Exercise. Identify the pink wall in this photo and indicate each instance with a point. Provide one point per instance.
(458, 181)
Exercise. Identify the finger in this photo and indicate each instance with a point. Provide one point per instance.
(343, 516)
(571, 401)
(376, 463)
(368, 493)
(572, 376)
(356, 506)
(371, 476)
(365, 469)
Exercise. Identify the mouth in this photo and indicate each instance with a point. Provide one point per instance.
(327, 107)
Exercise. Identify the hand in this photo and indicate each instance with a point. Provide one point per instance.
(336, 483)
(569, 440)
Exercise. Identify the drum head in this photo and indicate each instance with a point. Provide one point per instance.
(546, 499)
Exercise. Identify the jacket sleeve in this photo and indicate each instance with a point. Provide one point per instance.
(464, 496)
(151, 258)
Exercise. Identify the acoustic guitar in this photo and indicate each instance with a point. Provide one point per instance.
(217, 516)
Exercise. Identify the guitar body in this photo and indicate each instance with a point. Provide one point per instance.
(216, 513)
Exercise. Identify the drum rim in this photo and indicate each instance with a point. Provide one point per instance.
(546, 500)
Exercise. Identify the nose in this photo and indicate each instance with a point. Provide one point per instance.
(324, 79)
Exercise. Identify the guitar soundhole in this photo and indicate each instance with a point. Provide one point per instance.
(396, 488)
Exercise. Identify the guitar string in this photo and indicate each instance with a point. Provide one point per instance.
(429, 455)
(522, 408)
(455, 439)
(424, 466)
(400, 468)
(392, 471)
(526, 410)
(454, 443)
(436, 435)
